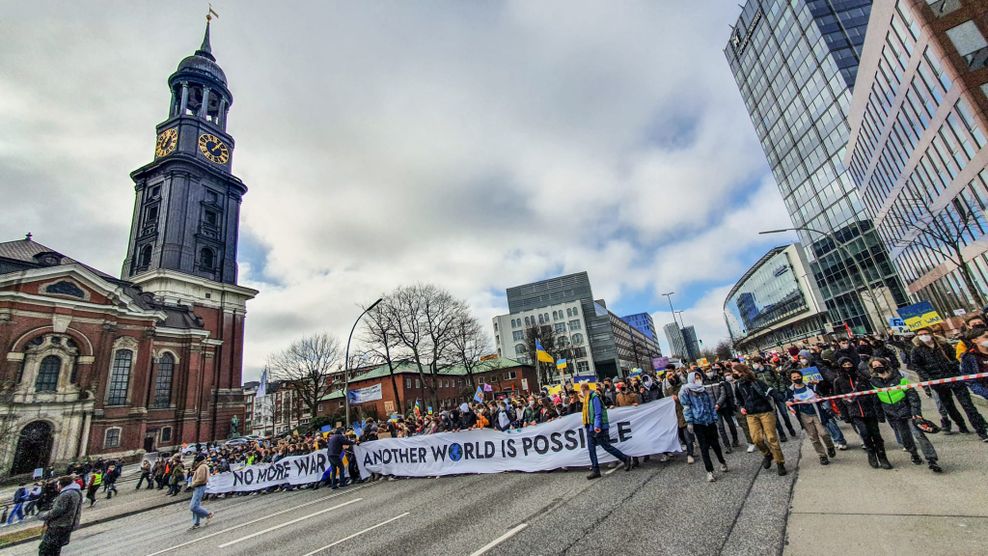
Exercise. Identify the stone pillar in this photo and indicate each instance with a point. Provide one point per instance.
(185, 98)
(204, 107)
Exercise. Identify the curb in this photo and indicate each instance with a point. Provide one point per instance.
(102, 520)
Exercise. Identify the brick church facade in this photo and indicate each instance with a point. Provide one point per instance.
(95, 365)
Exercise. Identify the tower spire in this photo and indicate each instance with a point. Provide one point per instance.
(205, 50)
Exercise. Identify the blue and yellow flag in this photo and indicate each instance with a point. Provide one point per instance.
(541, 354)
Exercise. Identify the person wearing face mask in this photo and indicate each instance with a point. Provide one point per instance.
(967, 340)
(699, 410)
(671, 387)
(825, 388)
(758, 407)
(732, 386)
(804, 404)
(933, 358)
(717, 387)
(773, 378)
(902, 408)
(845, 349)
(976, 360)
(861, 411)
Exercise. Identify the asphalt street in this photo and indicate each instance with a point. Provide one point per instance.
(658, 508)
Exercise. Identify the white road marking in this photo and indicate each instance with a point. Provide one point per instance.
(287, 523)
(500, 539)
(245, 524)
(612, 470)
(344, 539)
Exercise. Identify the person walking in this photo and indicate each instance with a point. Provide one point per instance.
(811, 415)
(861, 411)
(770, 377)
(177, 476)
(145, 475)
(732, 384)
(671, 386)
(95, 480)
(110, 481)
(902, 409)
(700, 412)
(758, 407)
(627, 397)
(933, 358)
(597, 430)
(63, 517)
(20, 498)
(200, 476)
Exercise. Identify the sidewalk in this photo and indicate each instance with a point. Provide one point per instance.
(126, 502)
(850, 508)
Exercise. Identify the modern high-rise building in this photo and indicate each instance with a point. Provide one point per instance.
(795, 63)
(674, 335)
(643, 322)
(692, 342)
(567, 304)
(918, 148)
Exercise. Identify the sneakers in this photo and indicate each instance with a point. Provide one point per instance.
(690, 460)
(782, 470)
(663, 458)
(824, 460)
(983, 436)
(766, 462)
(832, 453)
(194, 527)
(751, 448)
(842, 447)
(723, 468)
(917, 460)
(728, 450)
(935, 468)
(595, 474)
(948, 432)
(783, 438)
(711, 478)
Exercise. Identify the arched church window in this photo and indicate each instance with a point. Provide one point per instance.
(206, 258)
(163, 381)
(120, 377)
(145, 257)
(47, 381)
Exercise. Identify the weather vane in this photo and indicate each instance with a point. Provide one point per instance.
(211, 14)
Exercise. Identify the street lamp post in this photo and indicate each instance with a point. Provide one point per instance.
(346, 361)
(848, 256)
(673, 311)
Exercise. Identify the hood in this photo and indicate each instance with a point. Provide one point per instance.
(71, 486)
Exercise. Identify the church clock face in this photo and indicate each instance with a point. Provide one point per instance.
(213, 148)
(167, 140)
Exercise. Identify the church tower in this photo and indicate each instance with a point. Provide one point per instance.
(187, 209)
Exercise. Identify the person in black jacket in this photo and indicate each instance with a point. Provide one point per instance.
(725, 405)
(334, 451)
(758, 407)
(861, 411)
(902, 408)
(934, 358)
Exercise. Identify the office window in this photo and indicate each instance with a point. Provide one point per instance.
(574, 325)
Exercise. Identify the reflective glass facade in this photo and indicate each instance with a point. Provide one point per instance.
(919, 146)
(793, 61)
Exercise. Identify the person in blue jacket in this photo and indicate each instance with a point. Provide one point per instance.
(596, 427)
(700, 412)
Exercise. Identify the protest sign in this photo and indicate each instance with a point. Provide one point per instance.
(919, 315)
(294, 470)
(812, 375)
(637, 431)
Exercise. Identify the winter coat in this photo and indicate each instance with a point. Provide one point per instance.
(851, 353)
(755, 397)
(698, 407)
(773, 380)
(335, 444)
(860, 406)
(671, 390)
(627, 398)
(200, 474)
(67, 509)
(936, 361)
(907, 403)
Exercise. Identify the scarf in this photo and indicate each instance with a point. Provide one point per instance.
(694, 382)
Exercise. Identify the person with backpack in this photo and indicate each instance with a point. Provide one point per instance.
(177, 476)
(902, 410)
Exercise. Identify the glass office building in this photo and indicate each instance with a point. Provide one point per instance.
(795, 62)
(919, 145)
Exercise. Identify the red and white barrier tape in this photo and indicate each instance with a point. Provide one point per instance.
(961, 378)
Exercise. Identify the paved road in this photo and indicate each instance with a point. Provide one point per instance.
(655, 509)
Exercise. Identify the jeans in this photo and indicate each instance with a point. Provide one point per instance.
(727, 417)
(947, 392)
(605, 442)
(835, 433)
(762, 427)
(910, 436)
(743, 421)
(198, 512)
(782, 410)
(336, 472)
(869, 432)
(706, 435)
(18, 511)
(687, 438)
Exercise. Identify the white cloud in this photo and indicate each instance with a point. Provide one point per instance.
(473, 145)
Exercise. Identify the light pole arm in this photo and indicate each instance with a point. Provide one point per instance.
(346, 361)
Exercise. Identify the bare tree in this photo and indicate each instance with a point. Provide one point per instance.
(943, 233)
(469, 343)
(724, 350)
(310, 367)
(381, 337)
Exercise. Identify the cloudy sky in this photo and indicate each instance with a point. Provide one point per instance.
(475, 145)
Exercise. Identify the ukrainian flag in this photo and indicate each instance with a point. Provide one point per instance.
(541, 354)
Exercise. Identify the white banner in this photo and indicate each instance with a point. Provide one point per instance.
(369, 394)
(637, 431)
